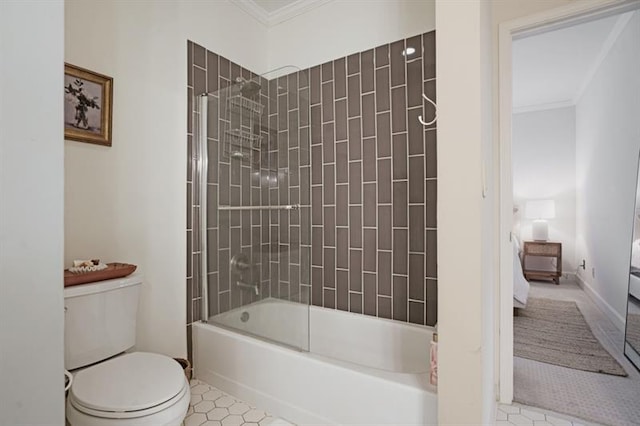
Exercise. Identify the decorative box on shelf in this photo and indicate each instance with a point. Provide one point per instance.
(113, 270)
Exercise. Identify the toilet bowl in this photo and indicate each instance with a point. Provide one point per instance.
(138, 388)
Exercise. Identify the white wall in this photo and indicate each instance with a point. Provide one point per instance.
(608, 143)
(465, 218)
(343, 27)
(128, 203)
(31, 210)
(544, 167)
(489, 224)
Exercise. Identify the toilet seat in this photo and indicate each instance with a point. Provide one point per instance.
(128, 414)
(132, 385)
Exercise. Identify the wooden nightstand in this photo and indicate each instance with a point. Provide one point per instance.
(542, 249)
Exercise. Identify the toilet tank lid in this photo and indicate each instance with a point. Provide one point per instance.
(102, 286)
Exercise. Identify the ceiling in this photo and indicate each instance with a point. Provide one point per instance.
(551, 69)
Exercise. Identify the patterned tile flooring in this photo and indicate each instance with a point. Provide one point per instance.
(522, 415)
(212, 407)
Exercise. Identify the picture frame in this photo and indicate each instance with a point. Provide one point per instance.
(88, 105)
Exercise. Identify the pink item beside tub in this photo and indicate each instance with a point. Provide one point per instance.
(433, 366)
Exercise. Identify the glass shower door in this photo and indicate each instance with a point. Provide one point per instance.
(255, 176)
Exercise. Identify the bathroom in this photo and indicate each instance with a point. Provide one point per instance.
(127, 202)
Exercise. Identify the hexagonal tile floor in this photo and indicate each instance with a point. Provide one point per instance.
(212, 407)
(522, 415)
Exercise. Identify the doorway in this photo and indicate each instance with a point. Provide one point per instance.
(513, 195)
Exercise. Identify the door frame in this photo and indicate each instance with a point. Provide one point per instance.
(571, 14)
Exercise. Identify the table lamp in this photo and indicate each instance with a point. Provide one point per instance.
(540, 211)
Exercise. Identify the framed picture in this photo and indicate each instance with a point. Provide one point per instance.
(88, 98)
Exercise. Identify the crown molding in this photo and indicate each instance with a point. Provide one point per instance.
(541, 107)
(613, 36)
(281, 15)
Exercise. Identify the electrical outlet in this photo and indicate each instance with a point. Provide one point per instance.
(593, 272)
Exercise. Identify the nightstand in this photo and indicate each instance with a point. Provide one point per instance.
(542, 249)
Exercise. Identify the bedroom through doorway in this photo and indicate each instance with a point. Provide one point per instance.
(574, 158)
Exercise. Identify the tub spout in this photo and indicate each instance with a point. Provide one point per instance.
(253, 287)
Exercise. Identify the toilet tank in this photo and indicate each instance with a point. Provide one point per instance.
(100, 320)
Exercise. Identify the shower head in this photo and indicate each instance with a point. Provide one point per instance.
(248, 88)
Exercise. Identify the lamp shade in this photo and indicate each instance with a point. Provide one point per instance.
(541, 209)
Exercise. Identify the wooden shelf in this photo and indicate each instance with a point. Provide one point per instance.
(113, 270)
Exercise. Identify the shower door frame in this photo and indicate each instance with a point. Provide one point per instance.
(202, 170)
(201, 165)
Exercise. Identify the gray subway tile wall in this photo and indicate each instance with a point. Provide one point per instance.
(342, 139)
(374, 178)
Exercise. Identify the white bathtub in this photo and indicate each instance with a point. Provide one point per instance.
(360, 370)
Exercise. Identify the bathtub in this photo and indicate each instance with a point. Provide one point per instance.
(359, 370)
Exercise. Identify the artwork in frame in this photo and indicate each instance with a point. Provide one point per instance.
(88, 101)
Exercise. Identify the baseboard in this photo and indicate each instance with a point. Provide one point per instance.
(615, 318)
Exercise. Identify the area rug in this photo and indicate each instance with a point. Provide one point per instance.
(555, 332)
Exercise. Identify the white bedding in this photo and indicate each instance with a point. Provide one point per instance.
(520, 284)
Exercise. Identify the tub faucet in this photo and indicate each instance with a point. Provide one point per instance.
(253, 287)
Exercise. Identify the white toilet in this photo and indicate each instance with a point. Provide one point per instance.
(129, 389)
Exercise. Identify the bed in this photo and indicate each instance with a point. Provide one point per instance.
(520, 284)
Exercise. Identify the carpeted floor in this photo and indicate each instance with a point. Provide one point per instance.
(600, 398)
(597, 398)
(555, 332)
